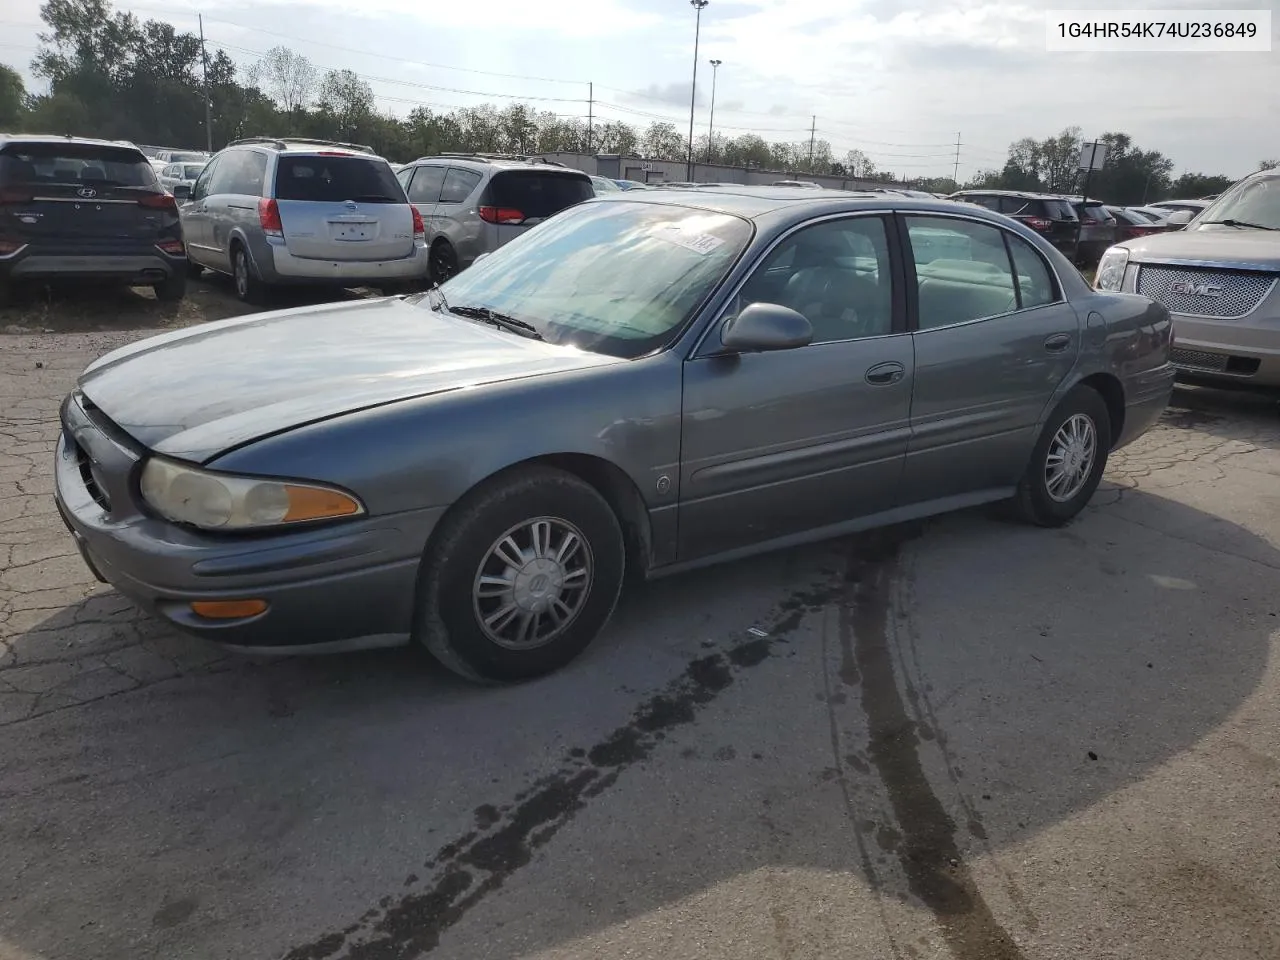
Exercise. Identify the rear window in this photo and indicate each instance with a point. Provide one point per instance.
(74, 163)
(192, 170)
(335, 179)
(185, 157)
(538, 193)
(1059, 210)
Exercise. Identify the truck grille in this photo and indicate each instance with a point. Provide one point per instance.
(1238, 291)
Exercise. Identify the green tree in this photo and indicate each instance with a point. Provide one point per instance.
(1191, 186)
(13, 97)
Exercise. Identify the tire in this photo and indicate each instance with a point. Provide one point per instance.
(6, 293)
(1036, 501)
(443, 262)
(248, 287)
(173, 289)
(452, 601)
(194, 270)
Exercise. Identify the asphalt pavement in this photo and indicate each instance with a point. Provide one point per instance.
(959, 739)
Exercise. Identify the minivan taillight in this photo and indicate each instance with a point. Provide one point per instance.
(1038, 223)
(501, 215)
(159, 201)
(269, 218)
(419, 229)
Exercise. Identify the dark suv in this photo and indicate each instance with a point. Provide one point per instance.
(1052, 217)
(72, 208)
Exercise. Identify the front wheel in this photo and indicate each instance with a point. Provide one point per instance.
(172, 288)
(1068, 460)
(524, 574)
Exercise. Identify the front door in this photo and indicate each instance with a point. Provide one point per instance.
(195, 220)
(781, 443)
(994, 340)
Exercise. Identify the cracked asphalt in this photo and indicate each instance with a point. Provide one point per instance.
(960, 739)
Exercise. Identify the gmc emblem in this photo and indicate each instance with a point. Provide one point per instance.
(1186, 288)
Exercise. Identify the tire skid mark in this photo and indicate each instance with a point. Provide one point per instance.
(923, 706)
(506, 838)
(928, 853)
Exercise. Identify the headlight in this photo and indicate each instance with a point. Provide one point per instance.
(1110, 274)
(217, 501)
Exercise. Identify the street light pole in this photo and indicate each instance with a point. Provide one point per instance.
(711, 127)
(693, 94)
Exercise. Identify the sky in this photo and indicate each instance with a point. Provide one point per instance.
(900, 80)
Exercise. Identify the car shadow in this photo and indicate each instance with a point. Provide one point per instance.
(1246, 416)
(164, 798)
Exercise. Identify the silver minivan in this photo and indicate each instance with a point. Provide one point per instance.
(275, 212)
(474, 203)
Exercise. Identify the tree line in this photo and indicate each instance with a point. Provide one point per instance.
(115, 76)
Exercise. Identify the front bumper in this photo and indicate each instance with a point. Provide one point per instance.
(1244, 352)
(324, 586)
(276, 265)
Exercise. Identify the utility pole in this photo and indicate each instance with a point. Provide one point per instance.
(813, 132)
(208, 107)
(697, 5)
(711, 127)
(591, 110)
(955, 171)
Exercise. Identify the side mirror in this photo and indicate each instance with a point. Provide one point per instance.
(182, 191)
(1179, 219)
(766, 326)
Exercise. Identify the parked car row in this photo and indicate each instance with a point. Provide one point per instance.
(1082, 228)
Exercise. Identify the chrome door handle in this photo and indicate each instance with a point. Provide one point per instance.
(883, 374)
(1058, 342)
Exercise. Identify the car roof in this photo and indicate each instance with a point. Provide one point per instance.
(50, 140)
(481, 161)
(751, 202)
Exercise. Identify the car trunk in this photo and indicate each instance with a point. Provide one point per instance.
(342, 207)
(79, 192)
(516, 200)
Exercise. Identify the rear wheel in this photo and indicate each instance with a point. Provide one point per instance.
(523, 575)
(1068, 460)
(172, 289)
(248, 287)
(194, 270)
(443, 261)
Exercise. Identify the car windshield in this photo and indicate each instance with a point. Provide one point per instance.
(1255, 202)
(333, 179)
(614, 277)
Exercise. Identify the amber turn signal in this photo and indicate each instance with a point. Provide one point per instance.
(227, 609)
(317, 503)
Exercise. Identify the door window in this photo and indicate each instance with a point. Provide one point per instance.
(244, 174)
(426, 185)
(1035, 283)
(201, 188)
(458, 185)
(962, 271)
(836, 273)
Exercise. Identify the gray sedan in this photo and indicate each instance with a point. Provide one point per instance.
(649, 382)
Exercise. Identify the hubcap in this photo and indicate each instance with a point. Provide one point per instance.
(532, 583)
(442, 264)
(1071, 457)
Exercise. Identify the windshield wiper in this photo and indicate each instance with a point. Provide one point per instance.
(505, 321)
(1242, 223)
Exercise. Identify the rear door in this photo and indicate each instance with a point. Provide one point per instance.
(340, 206)
(519, 199)
(995, 337)
(85, 195)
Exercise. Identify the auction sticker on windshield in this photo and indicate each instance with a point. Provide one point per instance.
(702, 243)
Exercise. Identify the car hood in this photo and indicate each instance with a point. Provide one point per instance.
(199, 392)
(1230, 246)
